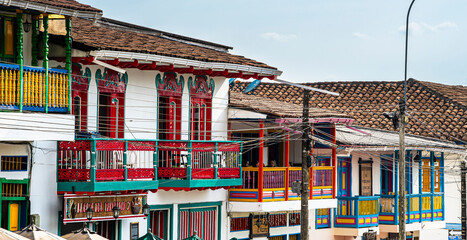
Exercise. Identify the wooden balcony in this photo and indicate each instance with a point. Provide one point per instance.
(419, 208)
(97, 165)
(277, 182)
(357, 212)
(34, 91)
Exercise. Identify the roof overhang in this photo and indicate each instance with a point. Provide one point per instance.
(172, 61)
(368, 139)
(27, 5)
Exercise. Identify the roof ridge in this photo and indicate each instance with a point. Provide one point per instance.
(437, 93)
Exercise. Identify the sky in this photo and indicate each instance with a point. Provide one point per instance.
(320, 40)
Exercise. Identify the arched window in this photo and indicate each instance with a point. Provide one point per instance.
(77, 113)
(169, 90)
(111, 110)
(79, 87)
(201, 92)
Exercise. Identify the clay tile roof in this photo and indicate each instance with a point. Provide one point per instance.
(277, 108)
(92, 37)
(436, 110)
(68, 4)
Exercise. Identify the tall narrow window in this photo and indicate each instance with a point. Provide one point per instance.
(111, 116)
(169, 90)
(366, 177)
(79, 87)
(201, 91)
(77, 113)
(7, 45)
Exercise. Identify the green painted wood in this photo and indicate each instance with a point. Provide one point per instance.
(34, 50)
(45, 60)
(19, 56)
(125, 159)
(106, 186)
(93, 161)
(201, 183)
(215, 162)
(68, 61)
(189, 164)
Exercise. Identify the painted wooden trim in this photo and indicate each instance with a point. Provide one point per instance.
(260, 160)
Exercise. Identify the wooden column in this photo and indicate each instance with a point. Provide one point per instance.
(45, 60)
(334, 163)
(260, 161)
(19, 56)
(34, 50)
(68, 61)
(230, 131)
(287, 166)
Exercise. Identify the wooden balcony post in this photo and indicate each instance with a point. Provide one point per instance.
(334, 163)
(188, 167)
(45, 60)
(287, 166)
(125, 160)
(155, 160)
(432, 176)
(310, 184)
(93, 161)
(68, 61)
(215, 162)
(260, 161)
(19, 57)
(34, 50)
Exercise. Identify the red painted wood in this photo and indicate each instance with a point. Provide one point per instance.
(287, 166)
(334, 163)
(166, 68)
(110, 174)
(184, 70)
(202, 173)
(260, 161)
(219, 73)
(164, 172)
(228, 172)
(74, 174)
(234, 75)
(150, 66)
(140, 173)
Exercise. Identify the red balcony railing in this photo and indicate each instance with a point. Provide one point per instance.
(106, 160)
(274, 184)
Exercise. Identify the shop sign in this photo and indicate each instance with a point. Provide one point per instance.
(259, 225)
(75, 206)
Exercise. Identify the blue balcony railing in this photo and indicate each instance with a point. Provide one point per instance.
(357, 212)
(419, 208)
(38, 93)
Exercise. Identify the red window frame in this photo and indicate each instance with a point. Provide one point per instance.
(169, 90)
(111, 105)
(201, 92)
(79, 95)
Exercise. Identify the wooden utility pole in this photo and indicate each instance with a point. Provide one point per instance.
(305, 167)
(402, 205)
(463, 199)
(402, 122)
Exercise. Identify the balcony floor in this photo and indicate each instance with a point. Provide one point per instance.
(184, 184)
(280, 205)
(114, 186)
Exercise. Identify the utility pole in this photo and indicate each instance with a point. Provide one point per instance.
(463, 199)
(402, 122)
(402, 205)
(305, 167)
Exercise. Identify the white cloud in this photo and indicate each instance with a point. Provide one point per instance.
(421, 28)
(278, 37)
(359, 35)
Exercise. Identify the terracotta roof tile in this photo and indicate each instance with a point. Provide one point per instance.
(436, 110)
(69, 4)
(111, 38)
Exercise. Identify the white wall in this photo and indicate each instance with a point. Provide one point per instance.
(43, 187)
(15, 150)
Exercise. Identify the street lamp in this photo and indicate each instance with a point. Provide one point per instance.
(146, 209)
(89, 213)
(116, 211)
